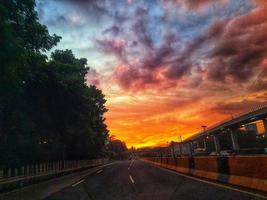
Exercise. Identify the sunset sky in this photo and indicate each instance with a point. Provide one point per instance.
(166, 66)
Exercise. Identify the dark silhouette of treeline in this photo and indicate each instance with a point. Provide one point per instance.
(47, 112)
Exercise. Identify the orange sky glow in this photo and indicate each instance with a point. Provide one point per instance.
(167, 67)
(154, 114)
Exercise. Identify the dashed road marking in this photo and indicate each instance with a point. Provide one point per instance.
(131, 164)
(75, 184)
(131, 178)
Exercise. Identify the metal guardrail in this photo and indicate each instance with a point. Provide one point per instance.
(46, 168)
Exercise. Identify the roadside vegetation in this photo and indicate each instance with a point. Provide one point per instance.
(47, 111)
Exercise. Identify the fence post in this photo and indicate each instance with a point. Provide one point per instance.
(16, 172)
(54, 166)
(9, 173)
(37, 165)
(27, 170)
(36, 168)
(48, 166)
(31, 169)
(1, 173)
(45, 167)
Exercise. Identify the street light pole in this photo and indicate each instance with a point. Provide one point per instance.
(204, 129)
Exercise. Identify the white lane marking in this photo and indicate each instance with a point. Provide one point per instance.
(131, 164)
(99, 171)
(214, 184)
(131, 178)
(75, 184)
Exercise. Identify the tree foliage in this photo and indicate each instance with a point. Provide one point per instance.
(46, 109)
(116, 147)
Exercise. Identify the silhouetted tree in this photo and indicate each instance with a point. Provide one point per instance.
(116, 147)
(46, 109)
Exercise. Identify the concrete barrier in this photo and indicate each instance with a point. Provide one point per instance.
(248, 171)
(206, 167)
(183, 164)
(245, 171)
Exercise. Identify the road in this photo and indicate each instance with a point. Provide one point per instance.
(134, 180)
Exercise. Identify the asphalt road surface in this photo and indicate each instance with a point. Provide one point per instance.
(136, 180)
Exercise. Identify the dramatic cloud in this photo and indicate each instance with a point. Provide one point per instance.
(115, 46)
(237, 106)
(195, 4)
(167, 66)
(228, 50)
(93, 77)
